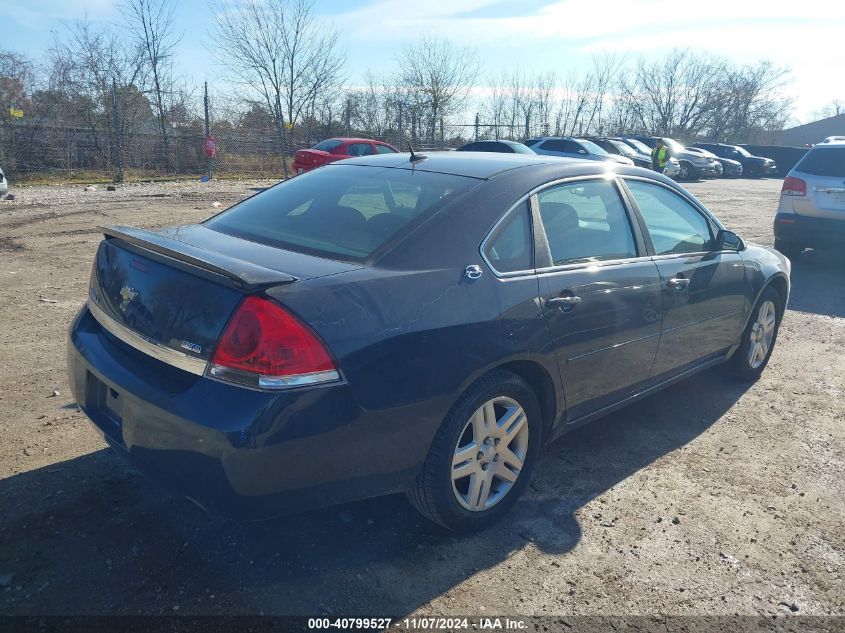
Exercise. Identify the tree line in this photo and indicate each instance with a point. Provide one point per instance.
(285, 74)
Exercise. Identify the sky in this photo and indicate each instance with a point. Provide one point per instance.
(532, 35)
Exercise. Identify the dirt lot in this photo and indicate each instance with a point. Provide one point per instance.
(712, 498)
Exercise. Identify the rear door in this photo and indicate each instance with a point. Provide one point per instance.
(823, 169)
(703, 291)
(600, 295)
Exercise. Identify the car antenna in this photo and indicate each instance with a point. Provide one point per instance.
(415, 157)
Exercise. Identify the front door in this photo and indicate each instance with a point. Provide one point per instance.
(704, 291)
(600, 297)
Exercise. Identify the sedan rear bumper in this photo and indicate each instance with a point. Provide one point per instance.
(237, 452)
(809, 231)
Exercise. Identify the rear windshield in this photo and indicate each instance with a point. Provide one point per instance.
(828, 161)
(340, 211)
(645, 149)
(327, 145)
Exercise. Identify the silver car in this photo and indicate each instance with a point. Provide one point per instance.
(812, 202)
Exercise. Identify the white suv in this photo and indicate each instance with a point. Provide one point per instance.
(812, 202)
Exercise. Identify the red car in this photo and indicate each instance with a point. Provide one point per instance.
(333, 149)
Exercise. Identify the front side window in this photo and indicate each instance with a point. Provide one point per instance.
(554, 145)
(585, 221)
(675, 225)
(341, 211)
(510, 248)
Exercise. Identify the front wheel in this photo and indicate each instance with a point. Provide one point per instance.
(482, 456)
(686, 172)
(758, 339)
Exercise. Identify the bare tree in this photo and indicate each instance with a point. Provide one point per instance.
(438, 75)
(151, 24)
(833, 108)
(280, 50)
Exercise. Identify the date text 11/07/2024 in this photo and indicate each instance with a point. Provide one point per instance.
(419, 624)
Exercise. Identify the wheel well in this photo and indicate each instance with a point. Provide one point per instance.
(779, 284)
(540, 381)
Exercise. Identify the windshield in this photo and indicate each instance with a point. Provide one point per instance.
(823, 161)
(644, 149)
(673, 145)
(624, 149)
(743, 151)
(327, 145)
(591, 147)
(340, 211)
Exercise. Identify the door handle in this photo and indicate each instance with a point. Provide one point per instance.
(565, 303)
(680, 284)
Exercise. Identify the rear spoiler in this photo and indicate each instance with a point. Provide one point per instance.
(241, 274)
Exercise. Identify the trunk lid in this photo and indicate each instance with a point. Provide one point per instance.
(177, 288)
(312, 157)
(823, 170)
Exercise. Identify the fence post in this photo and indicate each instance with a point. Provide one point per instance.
(116, 135)
(401, 130)
(442, 135)
(207, 130)
(476, 126)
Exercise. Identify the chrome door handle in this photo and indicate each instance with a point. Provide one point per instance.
(565, 303)
(678, 283)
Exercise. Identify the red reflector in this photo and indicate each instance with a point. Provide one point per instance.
(265, 339)
(786, 221)
(793, 186)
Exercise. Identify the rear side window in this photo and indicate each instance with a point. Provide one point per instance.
(360, 149)
(675, 226)
(328, 145)
(827, 161)
(510, 248)
(384, 149)
(555, 145)
(586, 221)
(341, 212)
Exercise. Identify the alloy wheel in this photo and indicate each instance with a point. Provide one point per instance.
(762, 333)
(489, 454)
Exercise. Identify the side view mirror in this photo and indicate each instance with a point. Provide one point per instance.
(729, 241)
(582, 151)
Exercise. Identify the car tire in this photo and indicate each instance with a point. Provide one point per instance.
(790, 249)
(686, 171)
(755, 349)
(445, 499)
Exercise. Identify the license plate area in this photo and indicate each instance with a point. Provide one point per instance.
(103, 404)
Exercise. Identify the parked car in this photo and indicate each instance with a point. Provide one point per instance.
(833, 139)
(4, 184)
(718, 168)
(569, 147)
(503, 147)
(752, 166)
(730, 168)
(811, 212)
(693, 166)
(402, 323)
(725, 167)
(620, 148)
(672, 167)
(334, 149)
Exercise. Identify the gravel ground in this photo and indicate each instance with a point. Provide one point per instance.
(712, 498)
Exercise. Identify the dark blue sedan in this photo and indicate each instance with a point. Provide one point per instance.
(409, 324)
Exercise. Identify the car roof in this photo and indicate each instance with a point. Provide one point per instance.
(483, 165)
(352, 139)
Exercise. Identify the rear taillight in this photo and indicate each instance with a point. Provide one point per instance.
(267, 347)
(793, 186)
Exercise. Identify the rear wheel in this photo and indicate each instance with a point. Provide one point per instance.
(482, 456)
(790, 249)
(758, 339)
